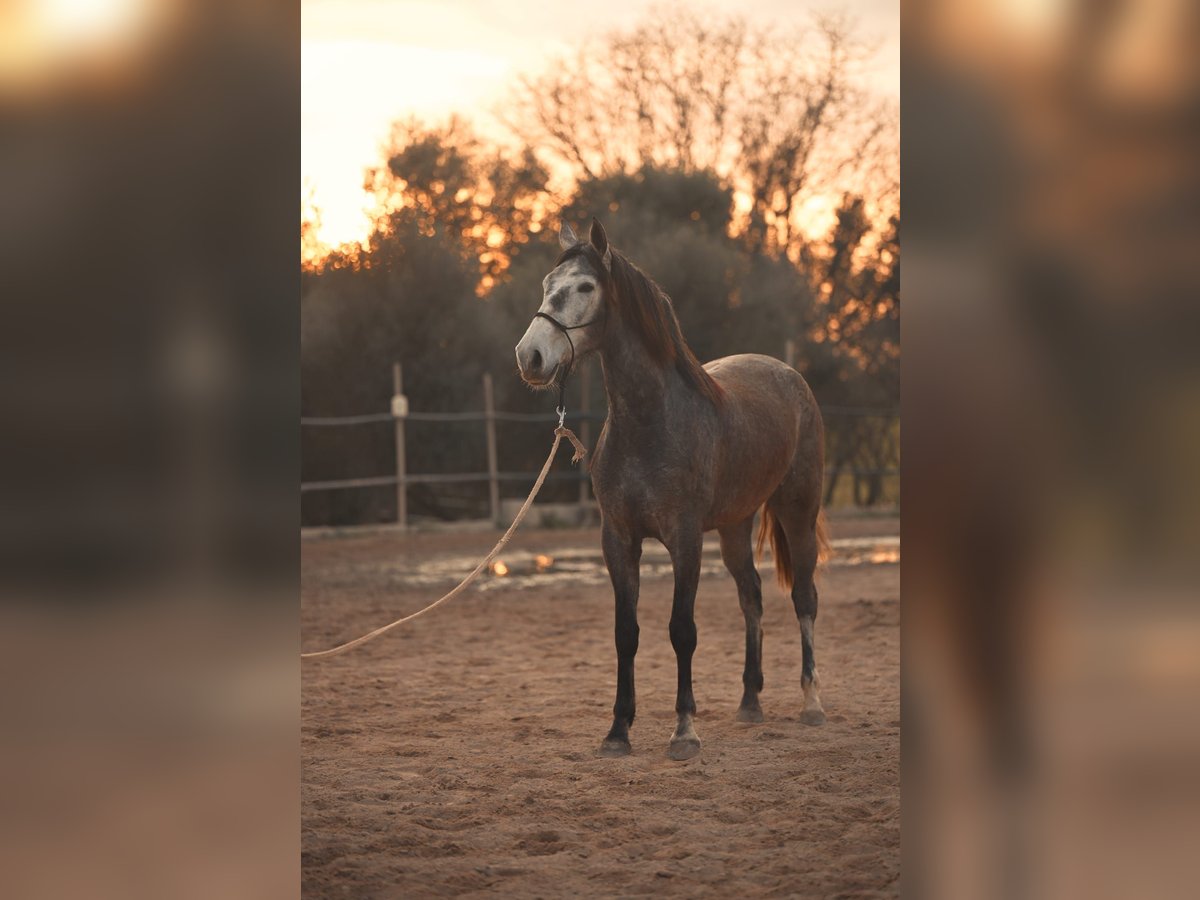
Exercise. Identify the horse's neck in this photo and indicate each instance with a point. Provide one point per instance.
(637, 385)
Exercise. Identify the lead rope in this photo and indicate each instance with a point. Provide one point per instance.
(559, 433)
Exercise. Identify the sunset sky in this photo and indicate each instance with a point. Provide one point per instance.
(365, 63)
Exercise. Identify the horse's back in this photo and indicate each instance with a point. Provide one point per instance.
(762, 386)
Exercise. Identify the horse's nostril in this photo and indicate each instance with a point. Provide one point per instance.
(535, 361)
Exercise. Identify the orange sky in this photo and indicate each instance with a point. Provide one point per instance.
(365, 63)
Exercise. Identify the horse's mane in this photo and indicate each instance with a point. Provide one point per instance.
(648, 310)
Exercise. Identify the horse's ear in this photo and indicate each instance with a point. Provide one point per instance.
(600, 241)
(566, 236)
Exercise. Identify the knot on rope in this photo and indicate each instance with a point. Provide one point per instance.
(580, 450)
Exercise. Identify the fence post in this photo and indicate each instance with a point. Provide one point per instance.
(789, 353)
(585, 428)
(489, 412)
(399, 411)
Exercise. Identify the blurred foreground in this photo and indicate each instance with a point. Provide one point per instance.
(1053, 428)
(148, 168)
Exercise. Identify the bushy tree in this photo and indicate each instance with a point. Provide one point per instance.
(852, 349)
(411, 299)
(444, 180)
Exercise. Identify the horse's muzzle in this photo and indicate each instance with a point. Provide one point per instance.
(536, 356)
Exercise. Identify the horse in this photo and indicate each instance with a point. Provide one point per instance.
(685, 449)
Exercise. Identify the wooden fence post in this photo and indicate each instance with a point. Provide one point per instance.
(789, 353)
(585, 427)
(489, 410)
(399, 411)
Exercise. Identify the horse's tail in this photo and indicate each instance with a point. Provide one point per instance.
(769, 527)
(822, 538)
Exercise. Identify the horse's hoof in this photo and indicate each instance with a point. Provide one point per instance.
(813, 717)
(613, 747)
(683, 748)
(750, 714)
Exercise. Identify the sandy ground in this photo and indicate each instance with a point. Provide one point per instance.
(457, 755)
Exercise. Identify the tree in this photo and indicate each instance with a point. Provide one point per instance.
(780, 115)
(444, 180)
(312, 248)
(411, 299)
(853, 354)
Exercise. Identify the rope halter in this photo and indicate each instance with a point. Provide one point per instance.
(562, 373)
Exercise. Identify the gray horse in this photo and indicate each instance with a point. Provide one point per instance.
(685, 449)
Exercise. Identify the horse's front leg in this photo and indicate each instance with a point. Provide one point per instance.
(685, 549)
(623, 555)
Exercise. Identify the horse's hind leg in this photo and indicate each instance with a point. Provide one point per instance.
(685, 547)
(800, 527)
(738, 553)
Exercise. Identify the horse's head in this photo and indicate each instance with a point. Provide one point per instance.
(570, 322)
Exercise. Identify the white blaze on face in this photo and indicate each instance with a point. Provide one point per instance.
(572, 295)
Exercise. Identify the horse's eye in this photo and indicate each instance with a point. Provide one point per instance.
(586, 288)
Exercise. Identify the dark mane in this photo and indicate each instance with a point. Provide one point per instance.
(647, 309)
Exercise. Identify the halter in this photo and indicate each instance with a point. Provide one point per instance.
(562, 378)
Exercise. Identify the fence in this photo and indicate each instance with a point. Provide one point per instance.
(490, 416)
(400, 414)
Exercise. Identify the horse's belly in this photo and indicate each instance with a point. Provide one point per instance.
(732, 507)
(745, 480)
